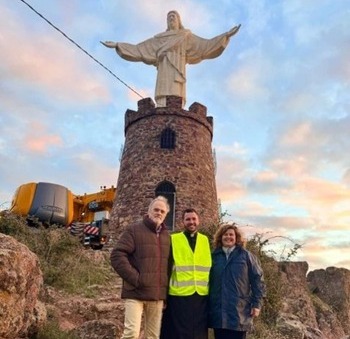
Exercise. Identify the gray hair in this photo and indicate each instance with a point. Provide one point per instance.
(162, 199)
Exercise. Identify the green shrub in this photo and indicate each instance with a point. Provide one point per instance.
(63, 260)
(14, 225)
(274, 289)
(51, 330)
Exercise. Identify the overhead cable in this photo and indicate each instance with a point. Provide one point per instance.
(81, 48)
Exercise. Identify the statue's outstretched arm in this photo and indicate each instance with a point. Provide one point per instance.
(109, 44)
(233, 31)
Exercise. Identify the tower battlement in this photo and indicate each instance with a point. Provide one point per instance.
(146, 108)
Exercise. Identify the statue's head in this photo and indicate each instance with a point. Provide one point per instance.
(174, 21)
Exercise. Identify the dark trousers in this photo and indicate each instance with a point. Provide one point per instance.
(221, 333)
(185, 318)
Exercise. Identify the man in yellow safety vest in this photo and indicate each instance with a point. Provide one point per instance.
(185, 316)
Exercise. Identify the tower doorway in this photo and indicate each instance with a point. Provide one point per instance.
(167, 190)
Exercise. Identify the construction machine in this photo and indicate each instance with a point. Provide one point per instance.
(86, 216)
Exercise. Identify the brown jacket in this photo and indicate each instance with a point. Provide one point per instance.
(141, 259)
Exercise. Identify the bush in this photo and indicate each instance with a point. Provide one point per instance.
(51, 330)
(64, 262)
(14, 226)
(274, 289)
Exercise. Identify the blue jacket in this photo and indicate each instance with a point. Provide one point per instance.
(236, 285)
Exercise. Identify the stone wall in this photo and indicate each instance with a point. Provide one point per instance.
(144, 165)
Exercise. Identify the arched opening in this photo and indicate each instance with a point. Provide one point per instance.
(167, 190)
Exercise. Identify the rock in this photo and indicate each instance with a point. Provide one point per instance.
(297, 300)
(327, 319)
(332, 286)
(21, 281)
(290, 326)
(72, 312)
(99, 329)
(310, 314)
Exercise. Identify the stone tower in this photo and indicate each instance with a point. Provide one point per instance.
(168, 152)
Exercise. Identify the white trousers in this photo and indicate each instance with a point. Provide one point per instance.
(152, 311)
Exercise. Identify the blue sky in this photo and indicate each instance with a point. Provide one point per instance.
(279, 95)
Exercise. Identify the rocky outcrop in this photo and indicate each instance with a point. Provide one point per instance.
(297, 301)
(304, 315)
(21, 312)
(332, 287)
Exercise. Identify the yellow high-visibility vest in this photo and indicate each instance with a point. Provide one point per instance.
(190, 272)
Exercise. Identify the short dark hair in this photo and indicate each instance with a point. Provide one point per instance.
(189, 210)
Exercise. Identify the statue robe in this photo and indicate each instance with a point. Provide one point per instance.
(170, 52)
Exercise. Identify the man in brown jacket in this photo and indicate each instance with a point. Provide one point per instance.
(141, 259)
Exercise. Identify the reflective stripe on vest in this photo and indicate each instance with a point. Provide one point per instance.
(191, 270)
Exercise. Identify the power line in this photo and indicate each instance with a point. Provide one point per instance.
(81, 48)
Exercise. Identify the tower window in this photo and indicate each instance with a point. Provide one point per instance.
(167, 139)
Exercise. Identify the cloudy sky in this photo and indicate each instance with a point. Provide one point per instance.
(279, 95)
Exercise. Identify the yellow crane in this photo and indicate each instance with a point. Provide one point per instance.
(85, 215)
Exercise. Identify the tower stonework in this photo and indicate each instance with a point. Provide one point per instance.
(168, 152)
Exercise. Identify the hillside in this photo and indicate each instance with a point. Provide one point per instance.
(52, 287)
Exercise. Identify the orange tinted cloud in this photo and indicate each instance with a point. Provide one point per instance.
(230, 171)
(38, 140)
(50, 62)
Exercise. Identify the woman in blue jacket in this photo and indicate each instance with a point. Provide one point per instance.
(236, 285)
